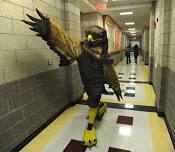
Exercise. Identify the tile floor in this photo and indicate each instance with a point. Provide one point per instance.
(120, 130)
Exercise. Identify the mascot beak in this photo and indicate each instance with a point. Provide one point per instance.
(92, 42)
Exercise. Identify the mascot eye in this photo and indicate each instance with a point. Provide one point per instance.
(90, 37)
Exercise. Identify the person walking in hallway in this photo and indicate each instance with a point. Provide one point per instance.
(136, 52)
(127, 53)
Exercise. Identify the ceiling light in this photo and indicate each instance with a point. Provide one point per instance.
(130, 23)
(131, 29)
(126, 13)
(133, 32)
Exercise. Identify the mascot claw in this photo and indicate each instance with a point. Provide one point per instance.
(89, 138)
(101, 111)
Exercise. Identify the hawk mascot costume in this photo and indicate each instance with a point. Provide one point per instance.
(94, 63)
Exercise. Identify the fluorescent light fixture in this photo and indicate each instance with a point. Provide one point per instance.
(133, 32)
(131, 29)
(126, 13)
(125, 131)
(130, 23)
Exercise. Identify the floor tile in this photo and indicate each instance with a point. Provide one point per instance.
(132, 78)
(75, 146)
(120, 73)
(109, 93)
(125, 120)
(130, 94)
(130, 88)
(132, 73)
(117, 150)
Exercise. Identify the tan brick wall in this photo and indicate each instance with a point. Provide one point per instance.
(36, 90)
(72, 18)
(171, 56)
(22, 53)
(90, 19)
(161, 44)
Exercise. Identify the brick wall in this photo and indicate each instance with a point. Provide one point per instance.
(164, 60)
(161, 49)
(170, 80)
(23, 54)
(31, 91)
(90, 19)
(151, 42)
(146, 45)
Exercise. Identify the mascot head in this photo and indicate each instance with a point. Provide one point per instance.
(96, 36)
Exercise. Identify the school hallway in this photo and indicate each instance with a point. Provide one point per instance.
(131, 125)
(51, 51)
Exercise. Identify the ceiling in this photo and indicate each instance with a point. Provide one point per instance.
(140, 9)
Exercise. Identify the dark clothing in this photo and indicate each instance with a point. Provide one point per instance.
(136, 52)
(127, 53)
(128, 59)
(92, 75)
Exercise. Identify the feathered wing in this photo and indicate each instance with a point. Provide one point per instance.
(112, 79)
(58, 40)
(64, 42)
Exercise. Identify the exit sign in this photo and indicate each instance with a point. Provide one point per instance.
(102, 1)
(101, 6)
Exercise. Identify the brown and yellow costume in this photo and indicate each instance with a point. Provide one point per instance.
(88, 59)
(93, 61)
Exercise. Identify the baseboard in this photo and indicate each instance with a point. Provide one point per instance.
(151, 83)
(159, 113)
(42, 127)
(154, 88)
(170, 131)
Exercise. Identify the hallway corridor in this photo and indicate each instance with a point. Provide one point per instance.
(51, 51)
(131, 125)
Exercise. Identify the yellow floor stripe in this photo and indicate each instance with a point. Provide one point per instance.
(39, 142)
(150, 98)
(144, 70)
(150, 95)
(160, 136)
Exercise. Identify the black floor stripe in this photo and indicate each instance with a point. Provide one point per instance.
(132, 78)
(128, 81)
(130, 88)
(109, 93)
(132, 73)
(120, 73)
(122, 106)
(129, 94)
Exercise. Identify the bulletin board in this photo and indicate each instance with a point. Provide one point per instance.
(117, 39)
(114, 33)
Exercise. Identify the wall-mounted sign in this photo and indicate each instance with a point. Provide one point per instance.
(101, 1)
(101, 6)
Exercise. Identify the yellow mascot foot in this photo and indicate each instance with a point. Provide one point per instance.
(101, 110)
(89, 138)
